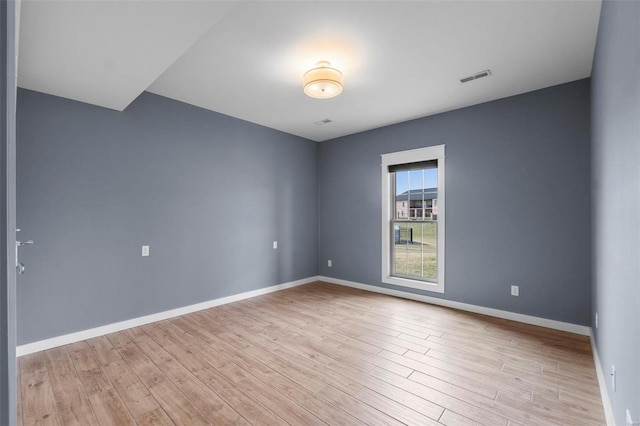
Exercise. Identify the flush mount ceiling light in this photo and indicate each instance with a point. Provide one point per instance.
(322, 82)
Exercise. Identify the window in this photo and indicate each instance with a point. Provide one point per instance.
(413, 218)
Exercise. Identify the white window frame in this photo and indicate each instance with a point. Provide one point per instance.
(404, 157)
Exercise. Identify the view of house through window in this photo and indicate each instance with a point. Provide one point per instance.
(415, 221)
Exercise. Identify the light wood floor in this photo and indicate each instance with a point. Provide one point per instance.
(317, 354)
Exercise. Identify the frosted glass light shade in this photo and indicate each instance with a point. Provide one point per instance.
(322, 82)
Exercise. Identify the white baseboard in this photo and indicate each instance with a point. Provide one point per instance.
(66, 339)
(135, 322)
(528, 319)
(602, 383)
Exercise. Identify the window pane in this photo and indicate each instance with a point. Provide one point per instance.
(417, 211)
(401, 197)
(429, 250)
(415, 242)
(402, 182)
(400, 248)
(415, 179)
(414, 250)
(431, 178)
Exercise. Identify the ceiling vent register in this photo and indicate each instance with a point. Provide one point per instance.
(485, 73)
(323, 122)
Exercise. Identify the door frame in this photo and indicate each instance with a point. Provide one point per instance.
(8, 90)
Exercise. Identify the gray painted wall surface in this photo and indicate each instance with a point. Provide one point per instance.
(7, 215)
(518, 202)
(208, 193)
(616, 201)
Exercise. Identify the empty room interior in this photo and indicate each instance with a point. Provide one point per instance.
(320, 212)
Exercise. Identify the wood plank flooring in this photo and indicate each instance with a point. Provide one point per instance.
(313, 355)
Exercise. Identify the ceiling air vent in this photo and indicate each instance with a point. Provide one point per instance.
(323, 122)
(485, 73)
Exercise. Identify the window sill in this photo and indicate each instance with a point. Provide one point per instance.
(420, 285)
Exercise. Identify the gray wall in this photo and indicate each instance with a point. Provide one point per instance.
(616, 200)
(208, 193)
(7, 216)
(518, 202)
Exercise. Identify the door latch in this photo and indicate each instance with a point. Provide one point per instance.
(20, 268)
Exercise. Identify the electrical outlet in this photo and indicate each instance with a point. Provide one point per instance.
(515, 290)
(145, 251)
(329, 263)
(613, 377)
(275, 244)
(596, 322)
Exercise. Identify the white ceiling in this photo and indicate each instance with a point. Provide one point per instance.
(106, 52)
(400, 60)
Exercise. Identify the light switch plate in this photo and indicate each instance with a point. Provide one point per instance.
(145, 250)
(515, 290)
